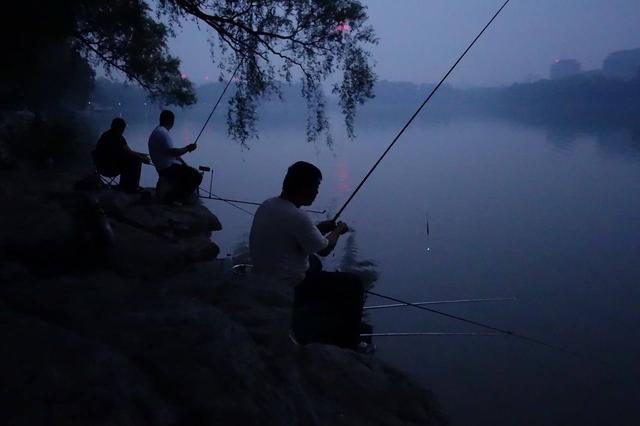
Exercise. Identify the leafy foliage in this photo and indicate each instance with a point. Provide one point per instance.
(121, 34)
(271, 41)
(263, 42)
(49, 57)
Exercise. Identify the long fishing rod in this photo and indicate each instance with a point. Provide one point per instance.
(487, 326)
(212, 196)
(252, 203)
(444, 302)
(427, 334)
(415, 114)
(218, 101)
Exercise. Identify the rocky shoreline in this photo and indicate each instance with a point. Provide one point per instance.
(139, 324)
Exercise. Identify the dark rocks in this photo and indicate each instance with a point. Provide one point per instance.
(56, 231)
(146, 329)
(52, 376)
(341, 386)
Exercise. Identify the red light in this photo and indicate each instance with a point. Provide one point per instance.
(343, 27)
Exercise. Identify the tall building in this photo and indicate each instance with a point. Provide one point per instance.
(622, 64)
(561, 68)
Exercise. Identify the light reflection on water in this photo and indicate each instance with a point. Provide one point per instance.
(549, 216)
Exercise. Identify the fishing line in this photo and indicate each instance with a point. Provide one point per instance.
(489, 327)
(252, 203)
(218, 101)
(432, 333)
(415, 114)
(444, 302)
(213, 196)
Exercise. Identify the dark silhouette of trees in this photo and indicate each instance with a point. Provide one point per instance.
(269, 41)
(117, 35)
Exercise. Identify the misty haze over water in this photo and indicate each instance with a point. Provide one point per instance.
(547, 213)
(529, 191)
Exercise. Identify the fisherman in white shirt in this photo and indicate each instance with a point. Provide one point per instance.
(283, 240)
(167, 159)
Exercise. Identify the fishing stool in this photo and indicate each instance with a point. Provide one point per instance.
(109, 182)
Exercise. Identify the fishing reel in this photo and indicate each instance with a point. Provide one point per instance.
(203, 170)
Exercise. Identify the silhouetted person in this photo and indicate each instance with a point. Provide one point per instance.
(284, 243)
(114, 157)
(183, 180)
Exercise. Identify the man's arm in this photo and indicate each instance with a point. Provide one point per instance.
(179, 152)
(326, 226)
(142, 156)
(332, 237)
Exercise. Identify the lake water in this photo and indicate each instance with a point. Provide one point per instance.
(550, 217)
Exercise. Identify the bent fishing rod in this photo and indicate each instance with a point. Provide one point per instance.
(415, 114)
(489, 327)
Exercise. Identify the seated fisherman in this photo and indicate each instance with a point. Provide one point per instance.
(114, 157)
(183, 180)
(327, 305)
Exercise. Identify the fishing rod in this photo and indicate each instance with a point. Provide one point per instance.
(251, 203)
(487, 326)
(212, 196)
(415, 114)
(427, 334)
(218, 101)
(443, 302)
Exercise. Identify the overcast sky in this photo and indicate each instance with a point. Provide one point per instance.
(420, 39)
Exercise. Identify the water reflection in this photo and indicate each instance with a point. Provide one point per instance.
(342, 173)
(365, 269)
(615, 138)
(514, 218)
(561, 138)
(620, 142)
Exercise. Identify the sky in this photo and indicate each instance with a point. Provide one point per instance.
(420, 39)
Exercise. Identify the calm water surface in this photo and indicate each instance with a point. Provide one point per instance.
(549, 217)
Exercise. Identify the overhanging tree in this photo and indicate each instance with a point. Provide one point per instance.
(268, 41)
(274, 40)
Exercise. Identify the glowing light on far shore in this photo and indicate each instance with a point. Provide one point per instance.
(206, 78)
(183, 76)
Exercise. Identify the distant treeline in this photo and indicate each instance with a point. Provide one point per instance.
(574, 98)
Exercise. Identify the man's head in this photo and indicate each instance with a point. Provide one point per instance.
(301, 183)
(166, 119)
(118, 125)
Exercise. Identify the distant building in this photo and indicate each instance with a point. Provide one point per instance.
(561, 68)
(622, 64)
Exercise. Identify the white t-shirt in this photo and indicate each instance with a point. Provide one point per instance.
(159, 145)
(282, 238)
